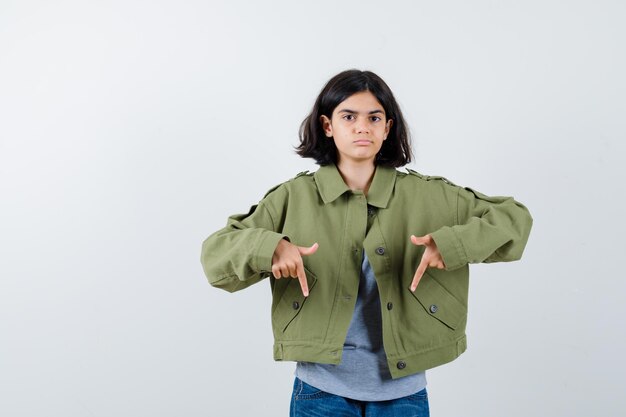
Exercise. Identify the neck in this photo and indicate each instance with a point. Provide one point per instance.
(357, 175)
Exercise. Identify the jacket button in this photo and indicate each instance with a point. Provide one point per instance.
(401, 365)
(380, 250)
(389, 306)
(295, 305)
(434, 308)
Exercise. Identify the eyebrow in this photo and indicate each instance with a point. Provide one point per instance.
(356, 112)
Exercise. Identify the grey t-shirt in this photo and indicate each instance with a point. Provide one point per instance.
(363, 373)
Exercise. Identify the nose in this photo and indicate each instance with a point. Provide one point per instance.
(361, 126)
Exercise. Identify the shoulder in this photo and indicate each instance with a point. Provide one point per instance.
(437, 182)
(412, 178)
(299, 183)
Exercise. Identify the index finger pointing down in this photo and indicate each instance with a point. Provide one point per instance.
(421, 268)
(302, 278)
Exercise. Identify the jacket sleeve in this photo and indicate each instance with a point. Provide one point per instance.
(240, 254)
(488, 229)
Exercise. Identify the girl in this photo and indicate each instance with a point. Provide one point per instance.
(368, 265)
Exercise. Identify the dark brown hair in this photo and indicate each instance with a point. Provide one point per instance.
(396, 150)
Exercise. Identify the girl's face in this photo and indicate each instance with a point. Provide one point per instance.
(358, 126)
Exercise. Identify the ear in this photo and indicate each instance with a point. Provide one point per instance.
(388, 127)
(327, 126)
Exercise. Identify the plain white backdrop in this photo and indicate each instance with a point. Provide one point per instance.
(131, 130)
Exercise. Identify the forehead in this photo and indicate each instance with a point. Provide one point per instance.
(361, 102)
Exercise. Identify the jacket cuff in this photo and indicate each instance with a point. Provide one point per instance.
(450, 247)
(266, 251)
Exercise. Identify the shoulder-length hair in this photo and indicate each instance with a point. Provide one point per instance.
(396, 150)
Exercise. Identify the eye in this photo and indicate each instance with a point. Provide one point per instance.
(348, 117)
(376, 118)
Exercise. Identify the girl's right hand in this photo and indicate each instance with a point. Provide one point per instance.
(287, 262)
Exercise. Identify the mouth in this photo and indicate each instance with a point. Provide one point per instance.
(362, 142)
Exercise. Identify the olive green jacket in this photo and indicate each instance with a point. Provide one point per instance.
(420, 330)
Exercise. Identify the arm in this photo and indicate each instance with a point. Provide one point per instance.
(240, 254)
(488, 229)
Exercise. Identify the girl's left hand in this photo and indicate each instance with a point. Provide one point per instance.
(431, 258)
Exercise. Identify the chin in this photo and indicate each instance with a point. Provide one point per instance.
(359, 156)
(363, 158)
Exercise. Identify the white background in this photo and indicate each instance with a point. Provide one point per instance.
(130, 130)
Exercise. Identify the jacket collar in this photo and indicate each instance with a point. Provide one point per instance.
(330, 185)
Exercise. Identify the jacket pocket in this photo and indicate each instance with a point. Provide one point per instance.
(291, 301)
(439, 303)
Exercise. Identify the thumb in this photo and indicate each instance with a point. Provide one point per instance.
(422, 240)
(308, 251)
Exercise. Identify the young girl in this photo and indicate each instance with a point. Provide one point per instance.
(368, 265)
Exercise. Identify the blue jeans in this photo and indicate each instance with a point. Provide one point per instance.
(308, 401)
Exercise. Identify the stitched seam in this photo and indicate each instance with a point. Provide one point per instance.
(460, 248)
(223, 277)
(456, 214)
(419, 352)
(388, 266)
(266, 207)
(343, 239)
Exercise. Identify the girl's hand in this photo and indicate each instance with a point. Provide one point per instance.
(431, 258)
(287, 262)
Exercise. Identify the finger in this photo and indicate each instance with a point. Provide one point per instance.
(302, 278)
(284, 271)
(308, 251)
(418, 274)
(434, 261)
(276, 272)
(293, 270)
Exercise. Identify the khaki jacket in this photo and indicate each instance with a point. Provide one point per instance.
(420, 330)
